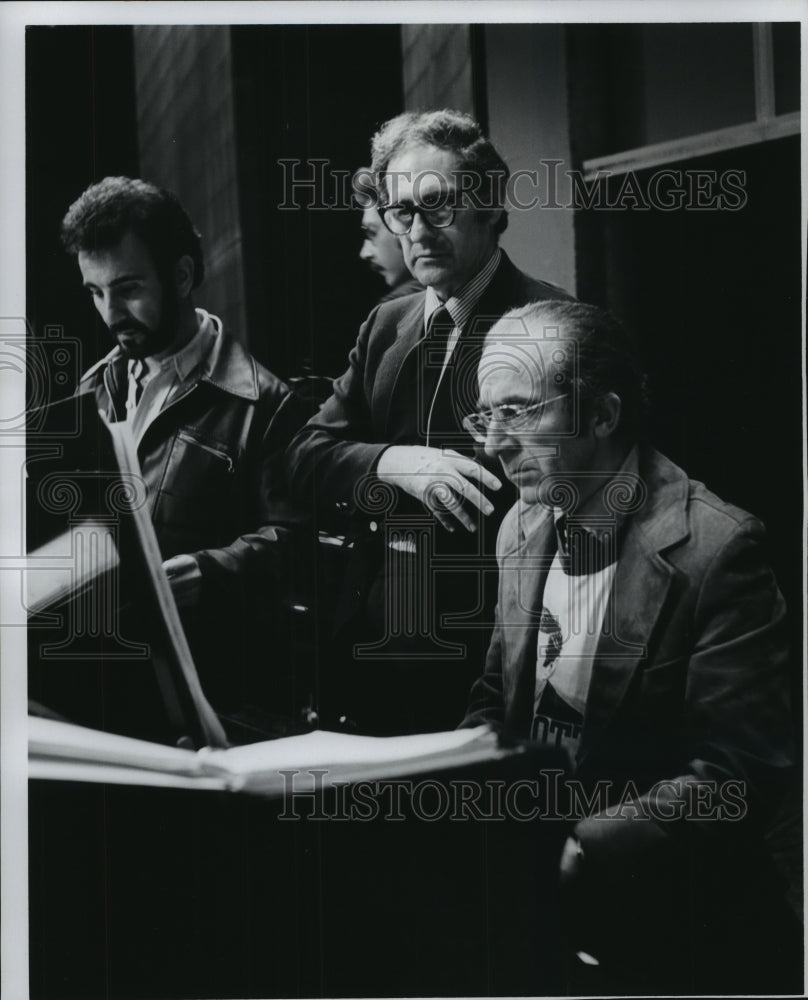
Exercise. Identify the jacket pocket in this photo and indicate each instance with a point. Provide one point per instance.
(195, 501)
(216, 450)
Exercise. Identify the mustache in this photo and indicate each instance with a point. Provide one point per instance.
(128, 326)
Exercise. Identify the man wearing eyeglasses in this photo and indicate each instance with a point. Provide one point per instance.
(640, 628)
(392, 432)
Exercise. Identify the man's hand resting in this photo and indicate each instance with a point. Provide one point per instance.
(185, 578)
(441, 479)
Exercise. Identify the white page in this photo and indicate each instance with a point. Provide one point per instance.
(324, 748)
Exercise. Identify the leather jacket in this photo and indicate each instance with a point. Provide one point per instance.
(211, 460)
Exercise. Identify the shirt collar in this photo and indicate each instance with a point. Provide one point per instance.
(461, 305)
(532, 516)
(188, 358)
(628, 472)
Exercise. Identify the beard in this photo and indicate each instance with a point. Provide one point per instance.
(137, 340)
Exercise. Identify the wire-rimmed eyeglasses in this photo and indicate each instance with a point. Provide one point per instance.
(511, 417)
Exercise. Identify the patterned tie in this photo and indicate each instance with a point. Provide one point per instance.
(431, 354)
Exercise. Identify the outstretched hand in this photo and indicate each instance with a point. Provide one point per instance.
(441, 479)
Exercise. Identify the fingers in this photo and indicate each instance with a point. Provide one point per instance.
(454, 484)
(445, 481)
(468, 467)
(445, 498)
(445, 519)
(463, 485)
(450, 512)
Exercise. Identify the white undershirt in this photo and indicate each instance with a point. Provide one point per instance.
(577, 604)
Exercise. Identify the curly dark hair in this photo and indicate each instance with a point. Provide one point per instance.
(608, 358)
(458, 133)
(106, 211)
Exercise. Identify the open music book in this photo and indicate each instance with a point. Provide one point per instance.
(59, 750)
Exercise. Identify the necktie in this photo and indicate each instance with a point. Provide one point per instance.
(440, 325)
(431, 359)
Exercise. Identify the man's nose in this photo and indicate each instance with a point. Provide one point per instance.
(495, 441)
(110, 308)
(366, 251)
(421, 231)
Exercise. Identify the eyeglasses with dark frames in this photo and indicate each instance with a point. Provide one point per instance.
(399, 218)
(511, 417)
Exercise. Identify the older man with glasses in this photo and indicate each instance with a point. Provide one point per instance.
(389, 447)
(640, 628)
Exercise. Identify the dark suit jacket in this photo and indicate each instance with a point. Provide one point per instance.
(691, 681)
(371, 408)
(331, 462)
(407, 287)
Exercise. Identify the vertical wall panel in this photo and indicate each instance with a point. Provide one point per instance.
(436, 67)
(529, 123)
(186, 134)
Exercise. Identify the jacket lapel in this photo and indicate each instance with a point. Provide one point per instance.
(230, 368)
(394, 386)
(524, 574)
(639, 590)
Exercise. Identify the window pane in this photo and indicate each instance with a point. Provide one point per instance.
(698, 77)
(633, 85)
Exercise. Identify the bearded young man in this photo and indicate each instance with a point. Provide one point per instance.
(210, 424)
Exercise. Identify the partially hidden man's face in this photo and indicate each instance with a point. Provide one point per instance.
(381, 250)
(443, 258)
(537, 450)
(139, 309)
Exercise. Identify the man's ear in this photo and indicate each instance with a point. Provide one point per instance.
(493, 216)
(184, 276)
(606, 415)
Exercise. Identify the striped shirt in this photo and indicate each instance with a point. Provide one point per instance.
(460, 306)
